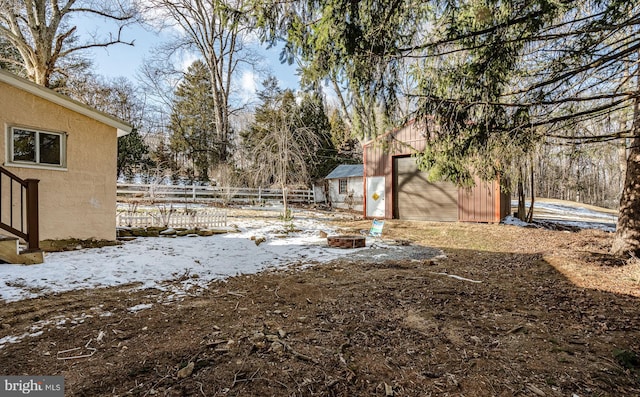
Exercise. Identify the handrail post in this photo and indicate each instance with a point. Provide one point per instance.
(33, 223)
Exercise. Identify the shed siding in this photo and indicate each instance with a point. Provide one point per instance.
(483, 203)
(478, 204)
(402, 142)
(379, 154)
(415, 198)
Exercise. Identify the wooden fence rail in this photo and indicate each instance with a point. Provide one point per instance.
(209, 194)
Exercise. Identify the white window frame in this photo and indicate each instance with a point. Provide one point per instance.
(341, 182)
(36, 164)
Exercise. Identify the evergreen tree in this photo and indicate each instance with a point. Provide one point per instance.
(492, 77)
(312, 116)
(348, 148)
(10, 58)
(271, 99)
(133, 154)
(351, 45)
(193, 135)
(164, 160)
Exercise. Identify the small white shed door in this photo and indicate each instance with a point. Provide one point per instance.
(375, 197)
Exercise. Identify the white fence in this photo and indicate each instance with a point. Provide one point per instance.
(209, 194)
(200, 219)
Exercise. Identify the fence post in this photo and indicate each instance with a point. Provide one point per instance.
(33, 218)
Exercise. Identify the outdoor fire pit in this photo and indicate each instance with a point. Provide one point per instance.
(346, 241)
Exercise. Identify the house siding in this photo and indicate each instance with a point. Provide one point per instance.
(343, 201)
(78, 202)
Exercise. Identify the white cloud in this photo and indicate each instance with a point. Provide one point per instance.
(249, 81)
(248, 85)
(186, 59)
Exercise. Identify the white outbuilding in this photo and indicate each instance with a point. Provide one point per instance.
(346, 187)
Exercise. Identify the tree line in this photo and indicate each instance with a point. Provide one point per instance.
(544, 92)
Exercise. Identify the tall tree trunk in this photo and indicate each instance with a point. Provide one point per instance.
(627, 238)
(285, 203)
(522, 211)
(533, 195)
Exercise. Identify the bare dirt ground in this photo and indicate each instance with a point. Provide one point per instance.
(551, 314)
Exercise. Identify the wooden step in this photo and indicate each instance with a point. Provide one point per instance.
(10, 252)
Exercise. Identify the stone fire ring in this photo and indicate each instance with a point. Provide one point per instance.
(346, 241)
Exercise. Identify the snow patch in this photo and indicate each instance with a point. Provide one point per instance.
(567, 214)
(159, 262)
(11, 339)
(510, 220)
(140, 307)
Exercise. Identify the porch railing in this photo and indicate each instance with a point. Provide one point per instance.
(19, 208)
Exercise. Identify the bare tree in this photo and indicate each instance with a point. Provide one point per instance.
(282, 145)
(217, 31)
(43, 34)
(283, 154)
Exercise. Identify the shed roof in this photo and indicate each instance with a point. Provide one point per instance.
(346, 171)
(45, 93)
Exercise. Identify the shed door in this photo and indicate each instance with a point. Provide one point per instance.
(415, 198)
(375, 197)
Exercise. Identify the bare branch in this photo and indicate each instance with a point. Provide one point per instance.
(38, 30)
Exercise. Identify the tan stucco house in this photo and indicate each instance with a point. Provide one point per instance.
(70, 148)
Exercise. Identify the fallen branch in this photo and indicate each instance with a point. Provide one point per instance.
(457, 277)
(91, 353)
(249, 379)
(152, 390)
(217, 342)
(232, 293)
(297, 354)
(535, 390)
(515, 329)
(341, 352)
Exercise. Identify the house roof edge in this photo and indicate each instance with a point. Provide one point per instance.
(121, 126)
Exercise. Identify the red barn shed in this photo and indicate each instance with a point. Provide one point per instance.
(395, 188)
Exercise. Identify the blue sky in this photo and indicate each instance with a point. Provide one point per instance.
(125, 61)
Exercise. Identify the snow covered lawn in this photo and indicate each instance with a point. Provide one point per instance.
(153, 261)
(569, 213)
(196, 261)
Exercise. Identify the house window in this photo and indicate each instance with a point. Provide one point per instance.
(34, 147)
(342, 186)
